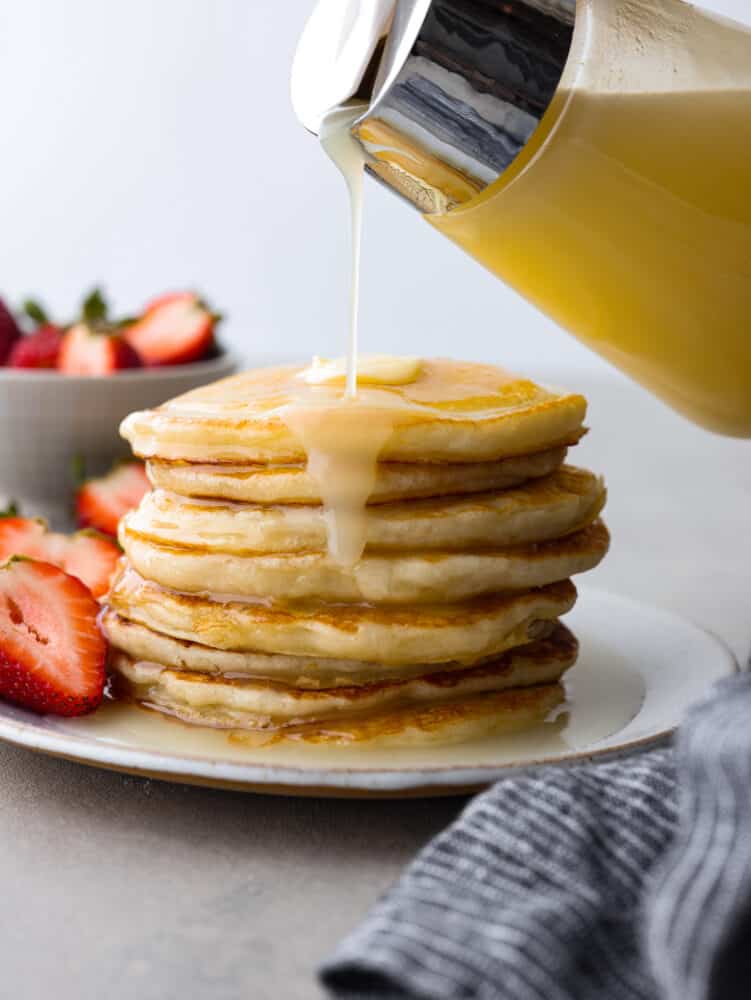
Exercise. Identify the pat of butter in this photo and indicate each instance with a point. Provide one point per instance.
(372, 369)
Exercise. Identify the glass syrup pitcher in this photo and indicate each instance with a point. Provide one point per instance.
(595, 155)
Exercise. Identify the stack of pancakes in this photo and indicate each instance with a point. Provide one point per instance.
(230, 611)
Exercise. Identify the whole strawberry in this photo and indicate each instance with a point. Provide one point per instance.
(95, 346)
(41, 348)
(9, 332)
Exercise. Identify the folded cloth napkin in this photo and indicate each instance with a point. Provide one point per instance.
(618, 880)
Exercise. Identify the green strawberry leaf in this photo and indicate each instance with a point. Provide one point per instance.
(95, 308)
(125, 322)
(78, 470)
(36, 312)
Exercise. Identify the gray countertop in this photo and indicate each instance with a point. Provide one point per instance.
(120, 887)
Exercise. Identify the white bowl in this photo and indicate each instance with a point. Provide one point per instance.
(47, 420)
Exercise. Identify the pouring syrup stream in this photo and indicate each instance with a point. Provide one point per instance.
(349, 157)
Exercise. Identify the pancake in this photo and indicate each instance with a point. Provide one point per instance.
(465, 632)
(270, 704)
(409, 578)
(293, 484)
(307, 672)
(494, 714)
(543, 509)
(386, 566)
(254, 704)
(441, 724)
(451, 412)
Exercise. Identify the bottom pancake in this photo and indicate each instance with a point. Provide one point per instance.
(444, 724)
(390, 707)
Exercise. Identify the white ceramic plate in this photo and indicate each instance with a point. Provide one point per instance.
(639, 670)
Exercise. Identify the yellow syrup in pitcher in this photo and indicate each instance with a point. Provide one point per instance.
(627, 219)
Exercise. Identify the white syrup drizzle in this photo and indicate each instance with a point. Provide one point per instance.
(343, 437)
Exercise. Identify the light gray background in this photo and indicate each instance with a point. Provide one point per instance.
(151, 144)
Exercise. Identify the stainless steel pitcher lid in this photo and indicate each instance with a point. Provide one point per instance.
(455, 88)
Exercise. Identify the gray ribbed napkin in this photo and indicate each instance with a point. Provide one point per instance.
(621, 880)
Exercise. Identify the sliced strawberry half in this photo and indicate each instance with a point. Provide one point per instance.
(100, 503)
(174, 329)
(40, 349)
(93, 559)
(52, 654)
(86, 555)
(87, 350)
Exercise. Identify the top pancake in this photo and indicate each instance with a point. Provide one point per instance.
(451, 412)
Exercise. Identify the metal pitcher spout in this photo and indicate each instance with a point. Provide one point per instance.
(455, 88)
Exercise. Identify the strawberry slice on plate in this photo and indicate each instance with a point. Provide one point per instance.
(100, 503)
(174, 329)
(52, 654)
(85, 555)
(93, 559)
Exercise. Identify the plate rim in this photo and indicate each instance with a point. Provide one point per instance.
(275, 778)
